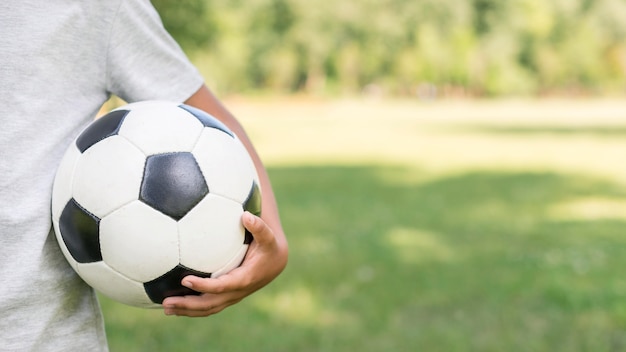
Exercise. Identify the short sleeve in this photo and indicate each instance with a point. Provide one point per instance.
(143, 61)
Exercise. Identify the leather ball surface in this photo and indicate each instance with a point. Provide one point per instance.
(149, 193)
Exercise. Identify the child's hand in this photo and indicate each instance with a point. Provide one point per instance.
(265, 259)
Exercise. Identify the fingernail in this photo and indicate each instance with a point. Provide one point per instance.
(249, 217)
(187, 283)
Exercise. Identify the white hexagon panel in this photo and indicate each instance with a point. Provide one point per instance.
(226, 165)
(139, 241)
(211, 234)
(118, 286)
(115, 166)
(161, 127)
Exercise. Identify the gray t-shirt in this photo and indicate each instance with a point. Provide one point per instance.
(59, 62)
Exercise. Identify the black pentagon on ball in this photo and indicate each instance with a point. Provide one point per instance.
(169, 284)
(106, 126)
(173, 183)
(206, 119)
(253, 201)
(80, 231)
(253, 205)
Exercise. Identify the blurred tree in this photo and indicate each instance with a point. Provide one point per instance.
(478, 47)
(191, 22)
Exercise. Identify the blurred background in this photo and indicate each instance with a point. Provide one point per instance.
(451, 174)
(443, 48)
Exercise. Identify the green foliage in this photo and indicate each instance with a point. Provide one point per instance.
(478, 47)
(190, 22)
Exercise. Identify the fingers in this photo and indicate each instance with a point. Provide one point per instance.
(224, 283)
(180, 305)
(196, 306)
(217, 294)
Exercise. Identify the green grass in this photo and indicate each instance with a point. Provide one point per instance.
(443, 227)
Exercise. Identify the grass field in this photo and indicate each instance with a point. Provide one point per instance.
(450, 226)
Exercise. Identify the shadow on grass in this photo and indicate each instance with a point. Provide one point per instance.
(383, 259)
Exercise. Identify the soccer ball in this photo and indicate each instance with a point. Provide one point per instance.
(149, 193)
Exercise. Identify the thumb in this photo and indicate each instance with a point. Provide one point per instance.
(261, 232)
